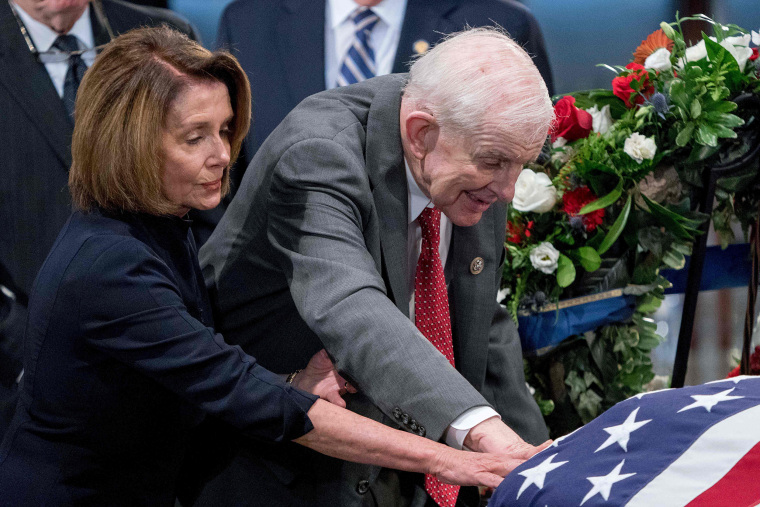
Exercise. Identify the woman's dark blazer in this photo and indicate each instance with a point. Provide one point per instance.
(121, 360)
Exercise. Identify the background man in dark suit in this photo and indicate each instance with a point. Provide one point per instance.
(320, 245)
(291, 49)
(35, 132)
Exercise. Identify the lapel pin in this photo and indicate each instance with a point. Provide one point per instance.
(476, 266)
(421, 46)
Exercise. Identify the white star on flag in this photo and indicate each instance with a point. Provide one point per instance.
(708, 401)
(622, 432)
(603, 484)
(537, 475)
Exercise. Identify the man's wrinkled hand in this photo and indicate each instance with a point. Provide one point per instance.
(494, 437)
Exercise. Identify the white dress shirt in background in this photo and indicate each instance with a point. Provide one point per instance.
(339, 35)
(43, 37)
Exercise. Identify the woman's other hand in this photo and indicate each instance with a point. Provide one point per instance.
(321, 378)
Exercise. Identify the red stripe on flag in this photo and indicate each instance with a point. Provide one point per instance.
(738, 488)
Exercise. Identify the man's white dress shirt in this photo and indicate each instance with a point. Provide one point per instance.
(339, 35)
(43, 37)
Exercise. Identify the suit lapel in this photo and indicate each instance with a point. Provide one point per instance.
(29, 84)
(424, 20)
(301, 41)
(385, 166)
(472, 297)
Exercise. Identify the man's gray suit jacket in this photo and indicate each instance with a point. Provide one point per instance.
(312, 252)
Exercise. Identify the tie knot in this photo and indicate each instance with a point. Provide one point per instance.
(66, 43)
(430, 224)
(364, 19)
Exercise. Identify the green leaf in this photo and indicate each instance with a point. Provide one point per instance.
(706, 136)
(669, 220)
(674, 259)
(604, 201)
(616, 228)
(678, 93)
(696, 108)
(684, 136)
(588, 258)
(565, 271)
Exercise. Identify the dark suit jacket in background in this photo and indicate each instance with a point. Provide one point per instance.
(121, 360)
(313, 251)
(281, 46)
(35, 136)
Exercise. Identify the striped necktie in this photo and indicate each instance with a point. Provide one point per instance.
(359, 62)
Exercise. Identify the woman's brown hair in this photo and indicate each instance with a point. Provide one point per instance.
(121, 109)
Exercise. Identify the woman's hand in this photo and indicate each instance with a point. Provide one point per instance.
(321, 378)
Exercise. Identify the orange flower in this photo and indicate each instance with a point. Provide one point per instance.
(655, 41)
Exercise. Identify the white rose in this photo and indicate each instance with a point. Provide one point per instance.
(640, 148)
(738, 47)
(544, 258)
(755, 38)
(534, 192)
(601, 119)
(659, 60)
(696, 52)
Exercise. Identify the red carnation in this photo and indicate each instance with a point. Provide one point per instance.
(514, 233)
(621, 86)
(574, 200)
(754, 55)
(570, 122)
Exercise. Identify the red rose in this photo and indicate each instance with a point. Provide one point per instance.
(754, 55)
(569, 121)
(574, 200)
(621, 86)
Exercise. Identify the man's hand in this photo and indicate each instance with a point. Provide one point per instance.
(494, 437)
(321, 378)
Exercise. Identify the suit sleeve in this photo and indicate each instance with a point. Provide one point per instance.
(132, 311)
(320, 204)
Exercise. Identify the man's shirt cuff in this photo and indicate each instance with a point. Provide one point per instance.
(461, 426)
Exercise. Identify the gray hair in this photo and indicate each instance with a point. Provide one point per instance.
(479, 74)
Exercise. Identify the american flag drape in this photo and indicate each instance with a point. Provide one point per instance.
(696, 446)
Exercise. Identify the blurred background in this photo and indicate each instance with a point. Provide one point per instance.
(580, 34)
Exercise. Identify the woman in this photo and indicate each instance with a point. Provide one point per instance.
(121, 358)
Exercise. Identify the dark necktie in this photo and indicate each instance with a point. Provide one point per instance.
(359, 62)
(431, 315)
(77, 67)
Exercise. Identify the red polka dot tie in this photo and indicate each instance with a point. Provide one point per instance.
(431, 314)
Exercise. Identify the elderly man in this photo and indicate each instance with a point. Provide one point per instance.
(45, 48)
(369, 209)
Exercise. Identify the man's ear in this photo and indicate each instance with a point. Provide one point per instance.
(421, 132)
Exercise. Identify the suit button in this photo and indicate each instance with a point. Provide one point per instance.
(362, 487)
(405, 419)
(476, 266)
(413, 425)
(397, 413)
(421, 431)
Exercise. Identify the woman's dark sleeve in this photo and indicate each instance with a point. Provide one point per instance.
(131, 310)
